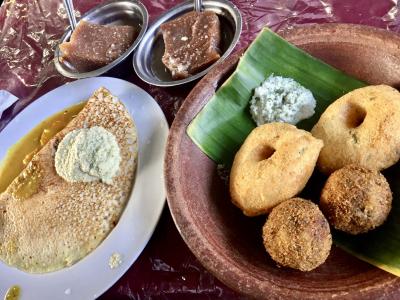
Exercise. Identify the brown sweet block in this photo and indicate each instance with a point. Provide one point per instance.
(92, 46)
(191, 43)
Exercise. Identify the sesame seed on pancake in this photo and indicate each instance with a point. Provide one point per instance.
(61, 222)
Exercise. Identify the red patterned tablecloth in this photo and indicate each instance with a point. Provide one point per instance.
(29, 31)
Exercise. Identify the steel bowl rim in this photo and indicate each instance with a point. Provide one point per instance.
(137, 62)
(108, 67)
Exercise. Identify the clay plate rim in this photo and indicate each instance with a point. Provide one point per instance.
(191, 232)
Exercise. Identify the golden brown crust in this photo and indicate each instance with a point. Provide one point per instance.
(297, 235)
(63, 222)
(191, 43)
(274, 164)
(355, 199)
(363, 128)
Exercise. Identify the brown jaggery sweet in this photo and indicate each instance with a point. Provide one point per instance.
(92, 46)
(191, 43)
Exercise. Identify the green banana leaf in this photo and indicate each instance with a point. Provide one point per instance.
(223, 124)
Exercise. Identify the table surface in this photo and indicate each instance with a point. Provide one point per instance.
(29, 31)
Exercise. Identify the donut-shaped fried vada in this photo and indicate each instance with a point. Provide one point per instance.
(274, 164)
(363, 128)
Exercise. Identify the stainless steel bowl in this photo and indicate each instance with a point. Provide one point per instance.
(113, 12)
(147, 59)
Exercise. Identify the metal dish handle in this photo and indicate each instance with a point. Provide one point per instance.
(198, 5)
(69, 7)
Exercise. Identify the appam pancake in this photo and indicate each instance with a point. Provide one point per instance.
(53, 224)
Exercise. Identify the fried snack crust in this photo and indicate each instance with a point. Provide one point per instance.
(355, 199)
(297, 235)
(363, 128)
(274, 164)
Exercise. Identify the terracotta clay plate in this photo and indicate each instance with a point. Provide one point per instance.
(229, 244)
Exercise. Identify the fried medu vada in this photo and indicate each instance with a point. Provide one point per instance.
(297, 235)
(355, 199)
(274, 164)
(363, 128)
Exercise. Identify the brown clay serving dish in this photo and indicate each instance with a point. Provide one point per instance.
(229, 244)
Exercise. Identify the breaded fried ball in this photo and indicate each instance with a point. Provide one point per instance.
(274, 164)
(297, 235)
(355, 199)
(363, 128)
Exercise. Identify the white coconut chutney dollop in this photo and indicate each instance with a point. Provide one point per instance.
(281, 99)
(88, 154)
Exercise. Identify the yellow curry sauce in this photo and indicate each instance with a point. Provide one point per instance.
(13, 293)
(21, 153)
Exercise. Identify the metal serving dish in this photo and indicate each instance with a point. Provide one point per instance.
(113, 12)
(147, 59)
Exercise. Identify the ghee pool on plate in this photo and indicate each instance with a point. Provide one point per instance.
(20, 154)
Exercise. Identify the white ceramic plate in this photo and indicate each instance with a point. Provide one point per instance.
(92, 276)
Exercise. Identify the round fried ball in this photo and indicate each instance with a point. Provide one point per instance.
(274, 164)
(297, 235)
(363, 128)
(355, 199)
